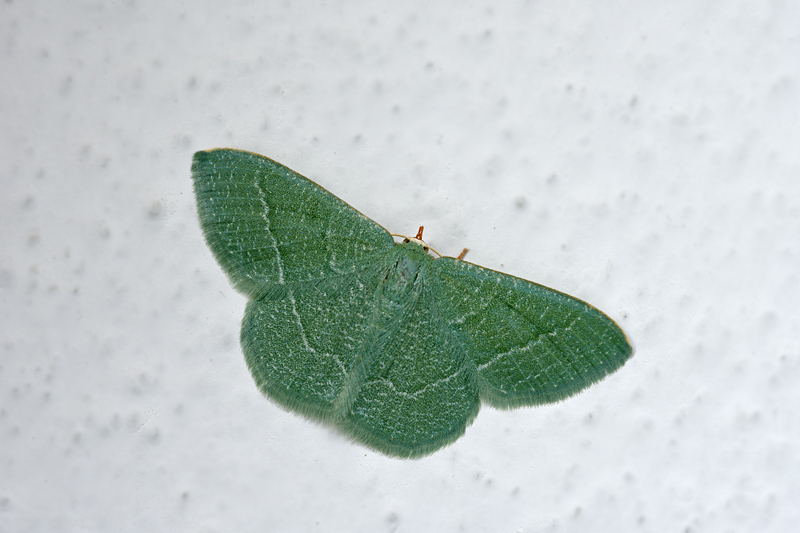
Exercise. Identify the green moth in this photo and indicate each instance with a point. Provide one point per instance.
(378, 338)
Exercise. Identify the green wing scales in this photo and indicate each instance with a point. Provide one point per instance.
(530, 344)
(268, 225)
(415, 391)
(301, 344)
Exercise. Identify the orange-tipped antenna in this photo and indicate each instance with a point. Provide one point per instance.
(419, 233)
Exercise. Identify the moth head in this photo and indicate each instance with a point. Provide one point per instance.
(417, 240)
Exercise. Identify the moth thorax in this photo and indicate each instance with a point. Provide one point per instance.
(405, 271)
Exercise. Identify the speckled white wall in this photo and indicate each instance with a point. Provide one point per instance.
(640, 156)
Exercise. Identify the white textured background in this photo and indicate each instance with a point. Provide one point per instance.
(642, 156)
